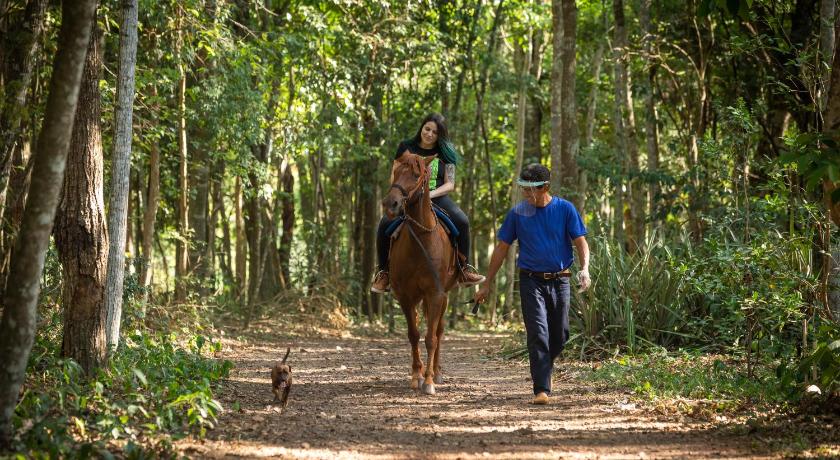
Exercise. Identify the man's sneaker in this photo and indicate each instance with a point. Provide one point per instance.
(469, 276)
(381, 283)
(540, 399)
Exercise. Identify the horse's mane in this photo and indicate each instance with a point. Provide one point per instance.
(414, 161)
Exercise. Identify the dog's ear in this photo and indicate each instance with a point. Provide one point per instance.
(290, 369)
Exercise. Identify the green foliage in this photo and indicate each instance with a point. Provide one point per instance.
(635, 299)
(816, 156)
(715, 379)
(820, 367)
(154, 389)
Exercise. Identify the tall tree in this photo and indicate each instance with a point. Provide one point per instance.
(564, 136)
(81, 235)
(182, 247)
(120, 171)
(651, 117)
(16, 69)
(626, 130)
(17, 327)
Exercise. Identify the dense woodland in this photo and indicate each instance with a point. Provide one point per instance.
(221, 157)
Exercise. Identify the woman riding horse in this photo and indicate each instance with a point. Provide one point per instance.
(431, 139)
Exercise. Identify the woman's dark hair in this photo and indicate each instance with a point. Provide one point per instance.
(447, 150)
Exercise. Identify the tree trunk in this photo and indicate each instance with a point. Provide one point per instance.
(22, 45)
(634, 229)
(149, 213)
(532, 152)
(120, 170)
(568, 109)
(17, 327)
(81, 235)
(288, 218)
(831, 127)
(589, 129)
(651, 118)
(181, 249)
(523, 57)
(18, 191)
(241, 240)
(827, 43)
(198, 211)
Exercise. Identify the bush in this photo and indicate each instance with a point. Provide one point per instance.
(154, 388)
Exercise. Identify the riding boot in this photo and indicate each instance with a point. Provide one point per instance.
(381, 283)
(469, 276)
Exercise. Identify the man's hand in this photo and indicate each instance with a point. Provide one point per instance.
(584, 279)
(483, 291)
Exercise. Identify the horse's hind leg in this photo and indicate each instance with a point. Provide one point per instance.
(410, 313)
(438, 375)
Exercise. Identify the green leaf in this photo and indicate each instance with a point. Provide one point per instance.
(140, 376)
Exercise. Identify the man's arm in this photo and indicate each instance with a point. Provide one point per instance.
(582, 248)
(499, 254)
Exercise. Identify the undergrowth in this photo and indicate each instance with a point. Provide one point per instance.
(157, 387)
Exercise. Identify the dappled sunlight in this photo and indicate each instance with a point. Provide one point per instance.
(367, 410)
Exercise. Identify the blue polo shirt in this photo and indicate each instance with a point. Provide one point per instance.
(545, 234)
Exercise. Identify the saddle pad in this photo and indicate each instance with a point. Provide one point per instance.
(453, 231)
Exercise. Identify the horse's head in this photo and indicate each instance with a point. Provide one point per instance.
(411, 176)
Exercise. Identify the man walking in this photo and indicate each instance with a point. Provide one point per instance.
(546, 227)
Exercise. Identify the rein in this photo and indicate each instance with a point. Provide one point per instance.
(411, 200)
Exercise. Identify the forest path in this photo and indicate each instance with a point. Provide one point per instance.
(351, 399)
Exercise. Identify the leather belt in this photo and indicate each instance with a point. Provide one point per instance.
(546, 275)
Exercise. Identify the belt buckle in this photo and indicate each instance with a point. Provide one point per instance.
(548, 276)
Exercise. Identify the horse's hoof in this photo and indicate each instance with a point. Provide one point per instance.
(428, 389)
(416, 383)
(438, 380)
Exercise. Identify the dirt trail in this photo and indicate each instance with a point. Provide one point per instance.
(351, 399)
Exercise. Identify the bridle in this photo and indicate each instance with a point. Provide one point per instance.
(417, 191)
(410, 198)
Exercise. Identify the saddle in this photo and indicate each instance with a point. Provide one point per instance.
(393, 230)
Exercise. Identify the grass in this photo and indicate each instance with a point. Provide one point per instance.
(691, 380)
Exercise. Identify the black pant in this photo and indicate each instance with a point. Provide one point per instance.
(383, 243)
(545, 309)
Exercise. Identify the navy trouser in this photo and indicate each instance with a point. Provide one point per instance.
(545, 309)
(383, 243)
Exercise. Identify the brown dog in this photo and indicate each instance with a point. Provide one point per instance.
(281, 380)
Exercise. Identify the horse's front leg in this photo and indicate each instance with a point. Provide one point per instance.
(410, 313)
(434, 309)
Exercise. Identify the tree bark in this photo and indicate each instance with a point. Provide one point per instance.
(568, 110)
(120, 171)
(651, 117)
(17, 327)
(288, 218)
(21, 42)
(827, 43)
(523, 56)
(81, 235)
(634, 226)
(241, 240)
(149, 214)
(181, 249)
(532, 152)
(589, 129)
(831, 128)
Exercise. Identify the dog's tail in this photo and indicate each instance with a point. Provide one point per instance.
(288, 349)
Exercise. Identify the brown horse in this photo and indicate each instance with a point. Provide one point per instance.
(422, 264)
